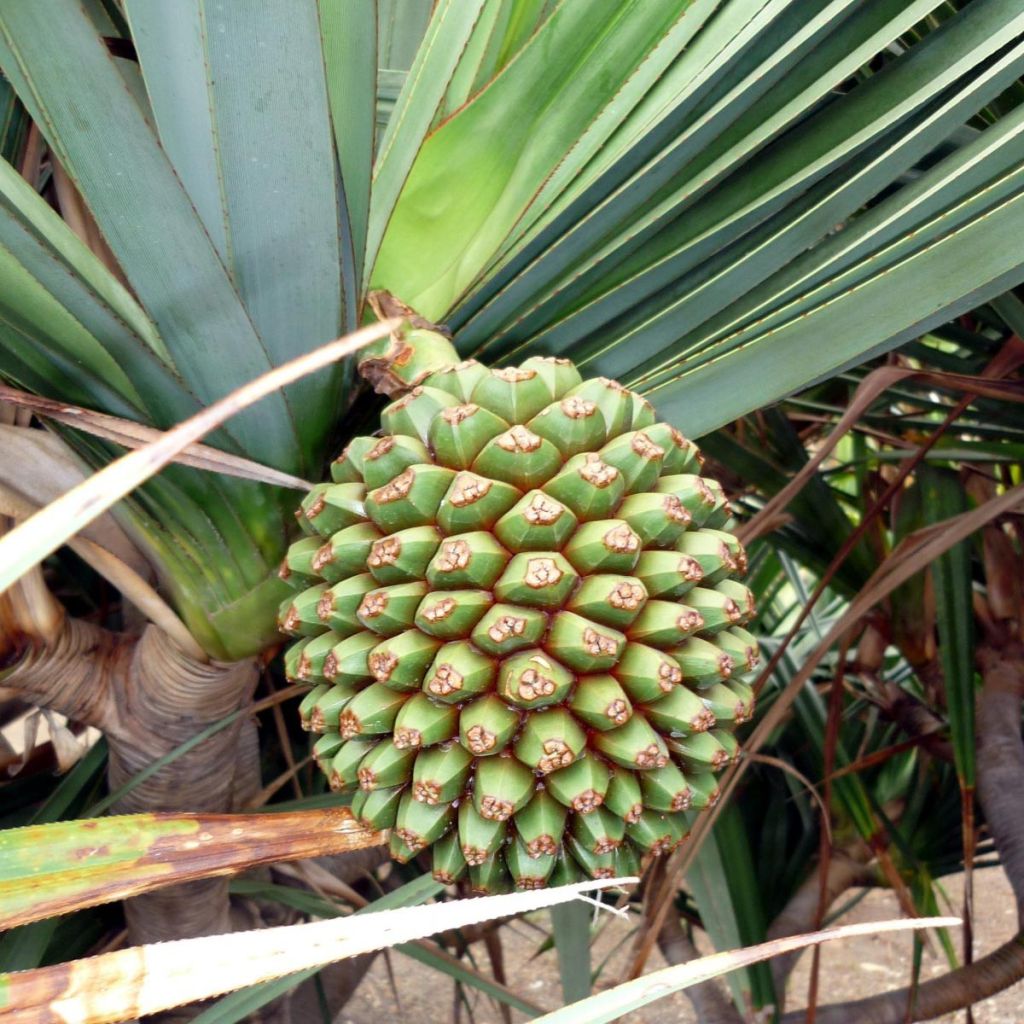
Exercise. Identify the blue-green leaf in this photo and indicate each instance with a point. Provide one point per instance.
(143, 211)
(251, 140)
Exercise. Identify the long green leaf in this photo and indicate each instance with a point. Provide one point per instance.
(171, 46)
(587, 214)
(943, 497)
(920, 212)
(349, 37)
(783, 62)
(465, 197)
(259, 164)
(623, 128)
(143, 211)
(694, 270)
(952, 275)
(571, 927)
(964, 186)
(421, 98)
(723, 881)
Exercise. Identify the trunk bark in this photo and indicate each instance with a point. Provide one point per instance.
(166, 698)
(1001, 759)
(148, 697)
(75, 672)
(708, 999)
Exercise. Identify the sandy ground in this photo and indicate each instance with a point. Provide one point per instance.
(854, 969)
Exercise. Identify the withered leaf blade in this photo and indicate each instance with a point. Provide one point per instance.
(144, 980)
(130, 434)
(58, 868)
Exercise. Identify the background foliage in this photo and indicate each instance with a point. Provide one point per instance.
(757, 213)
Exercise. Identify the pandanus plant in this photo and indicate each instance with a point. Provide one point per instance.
(711, 202)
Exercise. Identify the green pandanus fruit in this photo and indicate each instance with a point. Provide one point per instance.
(520, 617)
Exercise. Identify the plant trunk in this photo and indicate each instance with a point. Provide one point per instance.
(73, 672)
(1001, 759)
(709, 1000)
(148, 697)
(166, 698)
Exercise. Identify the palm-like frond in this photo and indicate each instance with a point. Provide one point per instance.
(651, 191)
